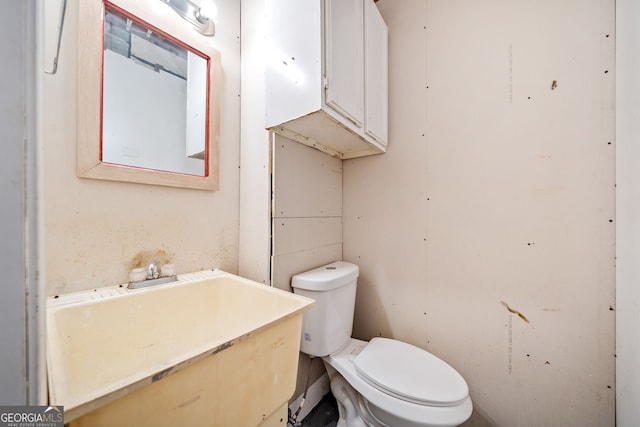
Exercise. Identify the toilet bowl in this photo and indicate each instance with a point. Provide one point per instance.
(419, 390)
(383, 382)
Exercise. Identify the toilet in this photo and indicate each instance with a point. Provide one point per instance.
(382, 382)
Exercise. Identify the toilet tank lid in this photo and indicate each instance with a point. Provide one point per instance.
(326, 277)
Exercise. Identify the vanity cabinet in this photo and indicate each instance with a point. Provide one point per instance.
(326, 75)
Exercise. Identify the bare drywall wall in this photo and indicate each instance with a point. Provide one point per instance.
(627, 213)
(486, 233)
(255, 150)
(307, 210)
(97, 230)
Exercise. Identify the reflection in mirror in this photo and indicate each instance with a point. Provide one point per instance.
(154, 99)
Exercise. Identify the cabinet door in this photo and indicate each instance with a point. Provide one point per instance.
(375, 53)
(344, 58)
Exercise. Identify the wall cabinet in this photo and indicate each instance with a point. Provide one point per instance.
(326, 75)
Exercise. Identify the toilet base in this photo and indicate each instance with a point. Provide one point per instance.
(353, 409)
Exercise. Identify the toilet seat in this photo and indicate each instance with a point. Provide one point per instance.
(411, 414)
(409, 373)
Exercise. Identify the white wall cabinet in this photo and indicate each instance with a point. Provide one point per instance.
(326, 75)
(344, 58)
(375, 79)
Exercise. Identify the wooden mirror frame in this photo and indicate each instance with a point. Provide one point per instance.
(89, 106)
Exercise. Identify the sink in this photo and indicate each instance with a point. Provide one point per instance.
(210, 348)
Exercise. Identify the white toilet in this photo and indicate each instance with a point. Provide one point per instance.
(382, 382)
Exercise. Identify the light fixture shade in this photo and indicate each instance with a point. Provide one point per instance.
(193, 14)
(208, 9)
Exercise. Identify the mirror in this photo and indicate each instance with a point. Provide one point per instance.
(155, 117)
(153, 99)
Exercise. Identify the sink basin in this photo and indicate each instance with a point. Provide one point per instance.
(183, 353)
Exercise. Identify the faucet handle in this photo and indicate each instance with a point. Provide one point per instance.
(167, 270)
(137, 275)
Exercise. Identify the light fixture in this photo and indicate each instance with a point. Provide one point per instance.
(200, 16)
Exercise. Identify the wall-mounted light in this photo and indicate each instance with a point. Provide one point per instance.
(200, 16)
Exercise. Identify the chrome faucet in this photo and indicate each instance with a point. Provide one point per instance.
(151, 276)
(153, 272)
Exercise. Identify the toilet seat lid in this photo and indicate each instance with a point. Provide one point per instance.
(410, 373)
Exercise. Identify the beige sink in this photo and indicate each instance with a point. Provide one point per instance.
(211, 349)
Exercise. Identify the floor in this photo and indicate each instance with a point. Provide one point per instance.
(325, 414)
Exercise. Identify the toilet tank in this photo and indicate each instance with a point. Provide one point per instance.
(327, 326)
